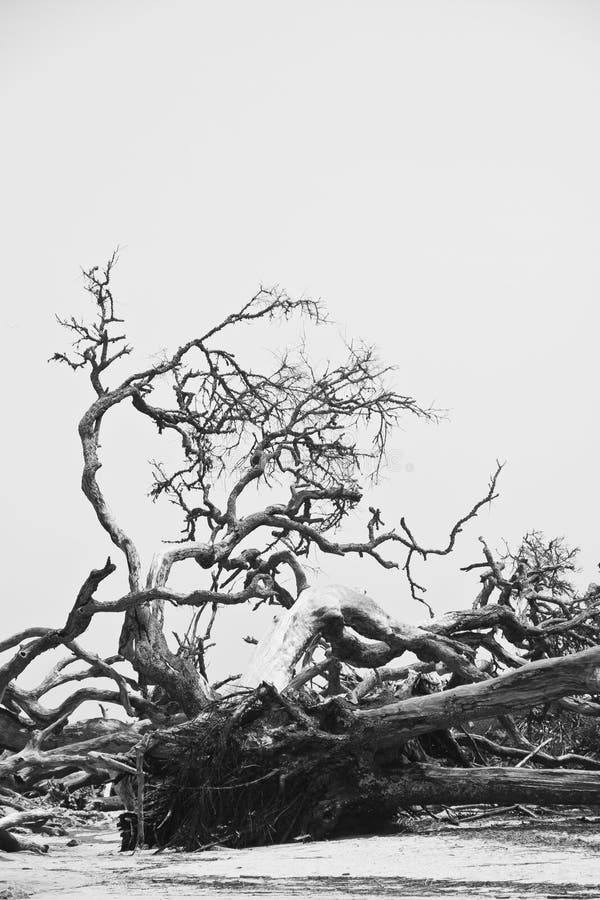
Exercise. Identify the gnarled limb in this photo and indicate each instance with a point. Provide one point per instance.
(33, 763)
(15, 735)
(77, 622)
(360, 632)
(519, 753)
(391, 673)
(25, 634)
(45, 716)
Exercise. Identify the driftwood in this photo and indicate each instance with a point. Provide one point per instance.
(330, 769)
(331, 725)
(446, 786)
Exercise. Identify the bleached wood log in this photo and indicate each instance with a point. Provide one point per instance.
(360, 632)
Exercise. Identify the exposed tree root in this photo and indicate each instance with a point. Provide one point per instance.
(266, 770)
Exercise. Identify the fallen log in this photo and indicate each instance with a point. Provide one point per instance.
(430, 784)
(533, 684)
(359, 631)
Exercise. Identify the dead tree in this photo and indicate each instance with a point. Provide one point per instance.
(325, 683)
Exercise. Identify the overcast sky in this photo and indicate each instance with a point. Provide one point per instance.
(430, 169)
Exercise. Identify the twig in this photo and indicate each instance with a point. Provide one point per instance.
(489, 813)
(532, 754)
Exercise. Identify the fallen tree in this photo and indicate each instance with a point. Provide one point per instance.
(328, 730)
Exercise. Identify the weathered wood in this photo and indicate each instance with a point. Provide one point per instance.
(423, 784)
(77, 621)
(33, 762)
(519, 753)
(372, 805)
(16, 735)
(534, 683)
(360, 632)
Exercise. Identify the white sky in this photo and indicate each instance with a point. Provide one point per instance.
(430, 169)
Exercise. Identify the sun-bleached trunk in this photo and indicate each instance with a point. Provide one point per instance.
(359, 631)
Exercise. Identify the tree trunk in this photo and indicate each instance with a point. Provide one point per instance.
(373, 806)
(429, 784)
(533, 684)
(359, 631)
